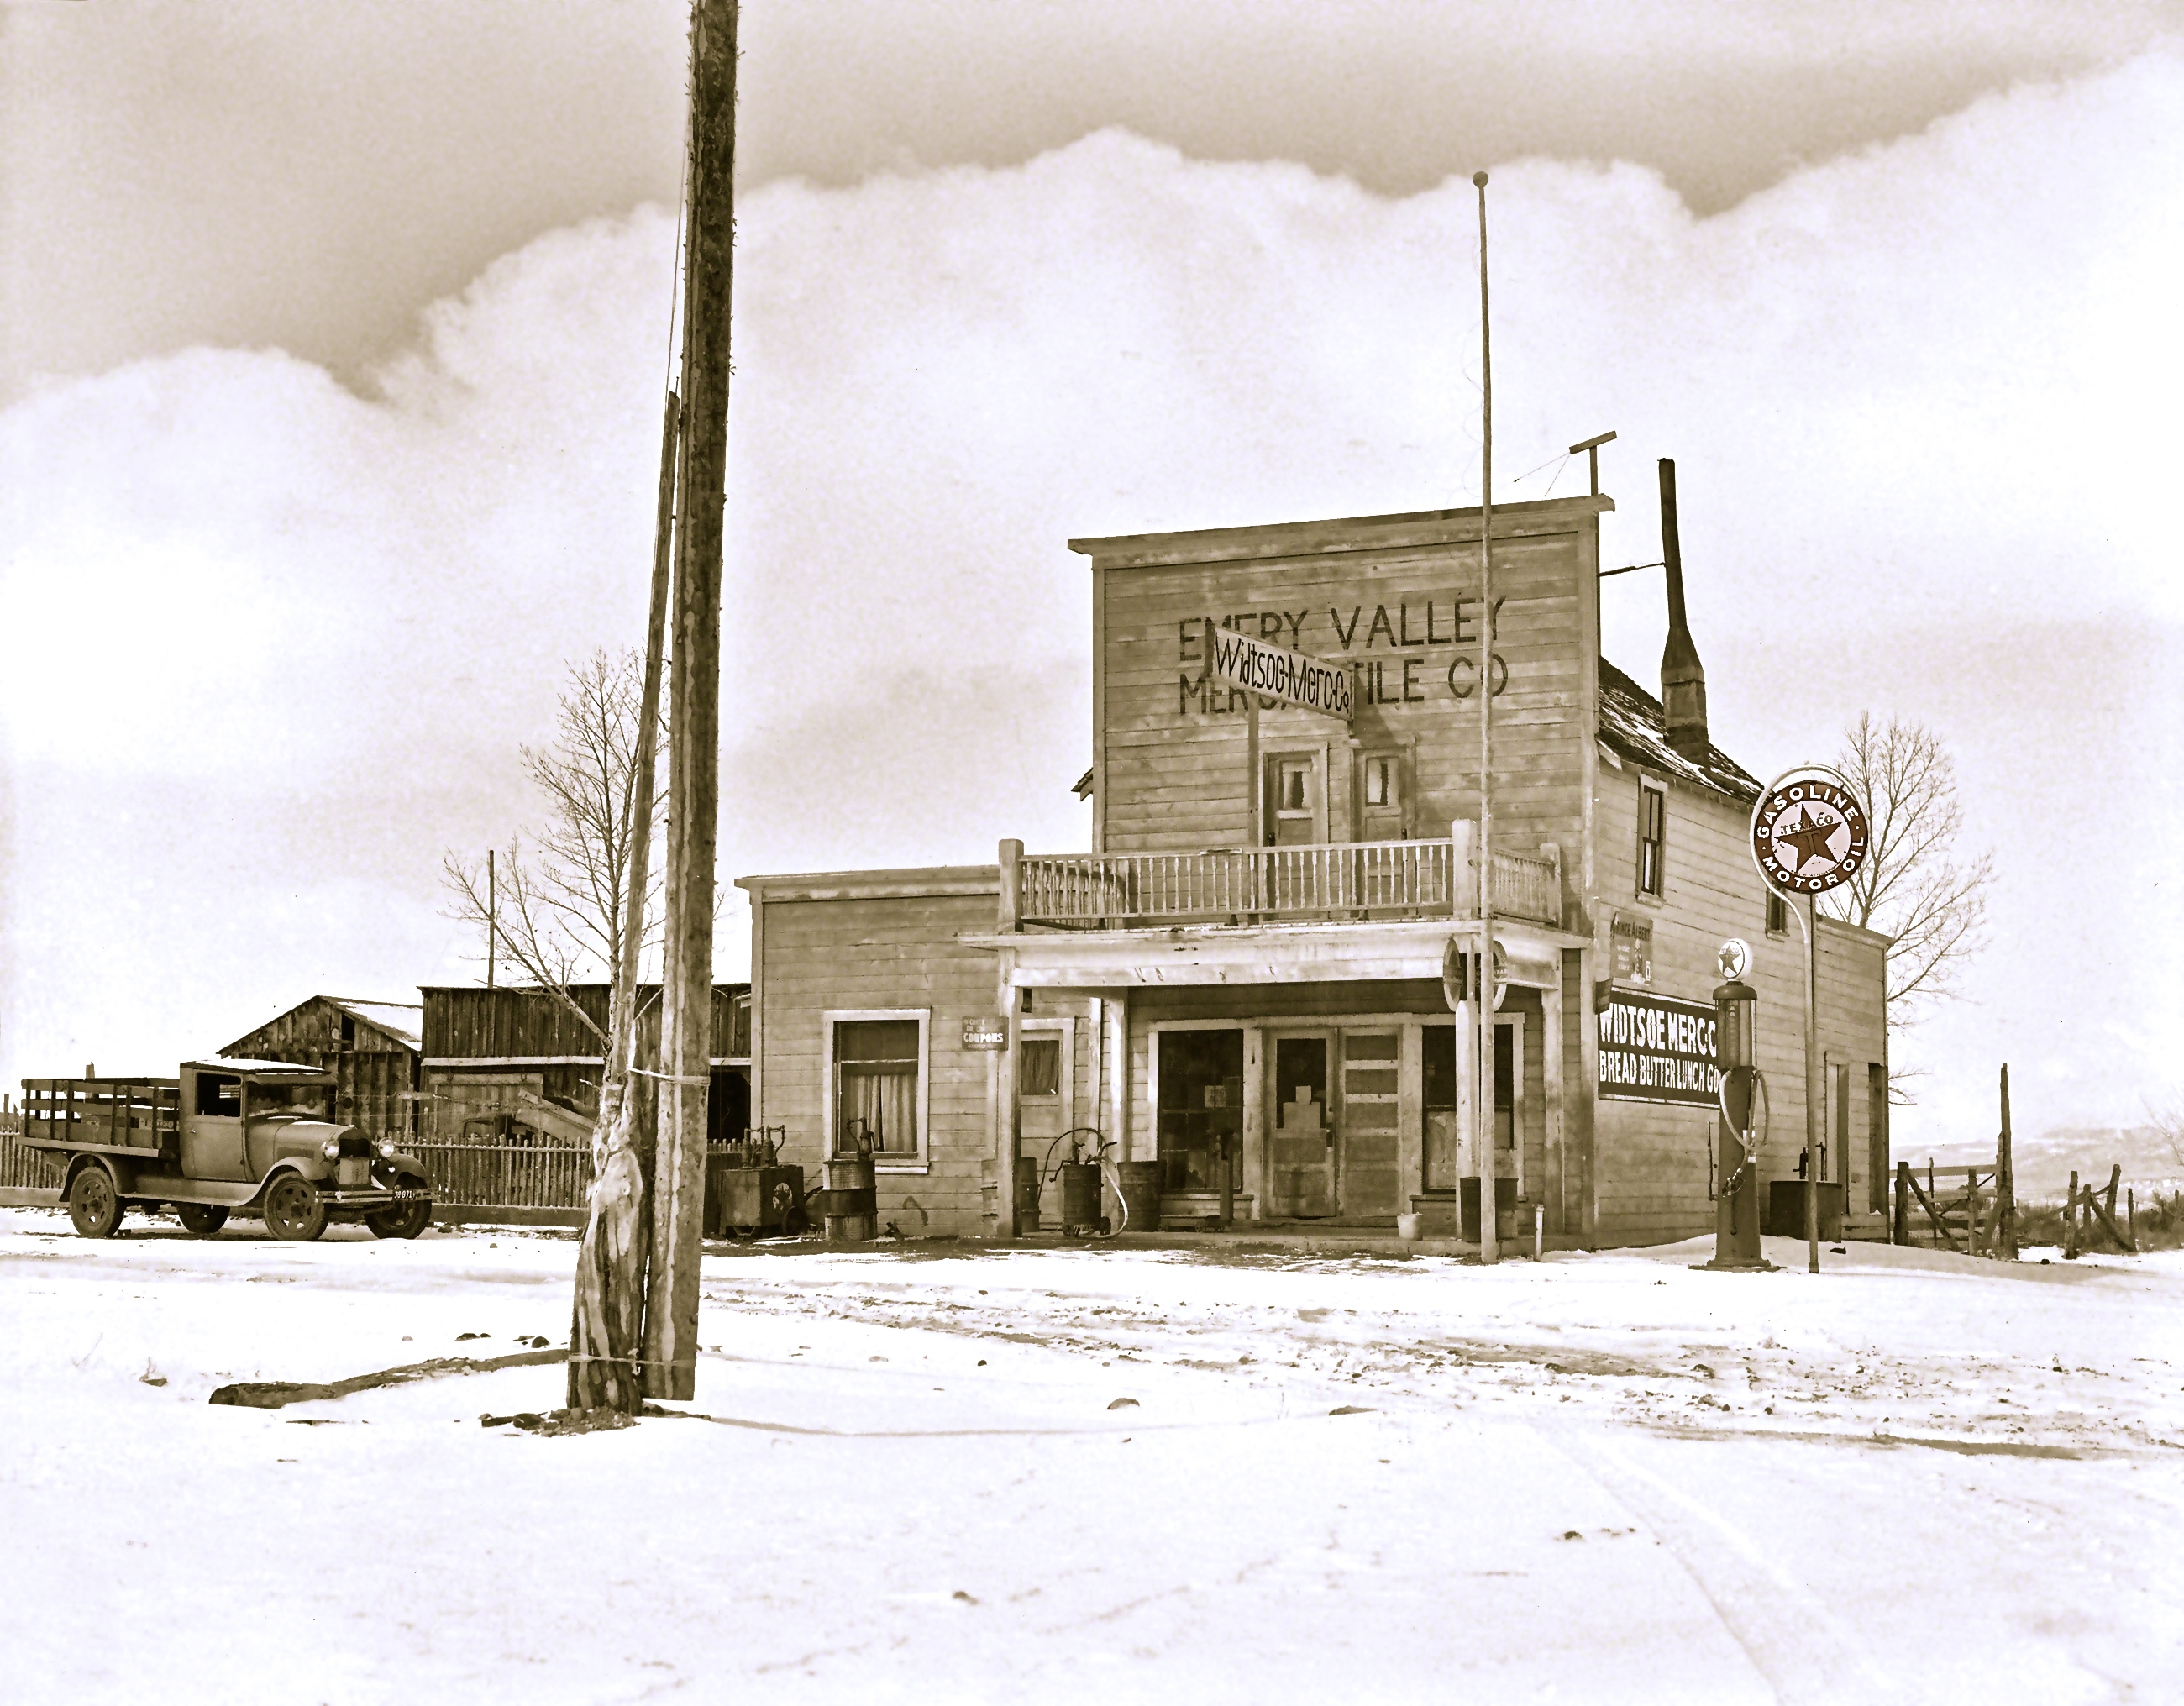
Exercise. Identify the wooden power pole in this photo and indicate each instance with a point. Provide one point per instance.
(694, 722)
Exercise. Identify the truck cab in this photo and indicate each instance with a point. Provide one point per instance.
(222, 1135)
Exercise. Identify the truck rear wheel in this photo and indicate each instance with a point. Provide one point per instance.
(201, 1219)
(93, 1204)
(294, 1211)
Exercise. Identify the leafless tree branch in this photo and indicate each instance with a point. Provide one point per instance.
(1911, 889)
(560, 913)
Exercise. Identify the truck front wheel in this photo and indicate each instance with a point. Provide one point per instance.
(294, 1211)
(403, 1220)
(93, 1205)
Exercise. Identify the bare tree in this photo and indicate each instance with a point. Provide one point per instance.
(1912, 888)
(561, 909)
(2168, 1121)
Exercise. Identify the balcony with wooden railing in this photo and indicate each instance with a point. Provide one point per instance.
(1337, 882)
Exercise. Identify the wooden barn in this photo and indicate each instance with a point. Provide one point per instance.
(371, 1047)
(1248, 959)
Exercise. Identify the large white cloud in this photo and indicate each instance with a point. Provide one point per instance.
(271, 644)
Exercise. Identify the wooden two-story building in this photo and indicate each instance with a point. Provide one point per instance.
(1250, 958)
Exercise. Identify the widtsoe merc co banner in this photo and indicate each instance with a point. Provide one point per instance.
(1654, 1048)
(1280, 672)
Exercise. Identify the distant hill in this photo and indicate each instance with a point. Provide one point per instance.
(2043, 1163)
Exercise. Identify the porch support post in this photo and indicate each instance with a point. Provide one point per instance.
(1011, 1119)
(1466, 1110)
(1550, 1083)
(1118, 1081)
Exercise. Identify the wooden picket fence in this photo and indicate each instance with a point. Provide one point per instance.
(492, 1176)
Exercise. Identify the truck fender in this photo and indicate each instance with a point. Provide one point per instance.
(122, 1175)
(406, 1167)
(275, 1173)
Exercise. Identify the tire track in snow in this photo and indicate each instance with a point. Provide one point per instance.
(1795, 1643)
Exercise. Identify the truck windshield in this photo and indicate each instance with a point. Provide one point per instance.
(299, 1101)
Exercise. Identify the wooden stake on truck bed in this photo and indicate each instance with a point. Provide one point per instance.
(693, 725)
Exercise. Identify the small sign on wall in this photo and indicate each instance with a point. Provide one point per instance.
(1630, 945)
(985, 1033)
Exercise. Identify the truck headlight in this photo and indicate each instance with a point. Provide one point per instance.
(387, 1149)
(330, 1149)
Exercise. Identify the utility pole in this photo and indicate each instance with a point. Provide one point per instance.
(492, 911)
(1490, 1189)
(694, 726)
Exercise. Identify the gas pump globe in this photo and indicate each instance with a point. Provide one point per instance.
(1743, 1124)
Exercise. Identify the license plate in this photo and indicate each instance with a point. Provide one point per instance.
(408, 1195)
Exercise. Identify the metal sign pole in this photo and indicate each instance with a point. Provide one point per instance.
(1812, 1084)
(1808, 835)
(1490, 1195)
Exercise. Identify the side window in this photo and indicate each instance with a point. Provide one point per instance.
(219, 1093)
(1653, 836)
(877, 1067)
(1778, 914)
(1381, 786)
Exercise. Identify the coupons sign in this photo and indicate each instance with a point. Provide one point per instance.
(1278, 672)
(1655, 1048)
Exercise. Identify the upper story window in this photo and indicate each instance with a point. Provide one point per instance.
(1380, 782)
(1653, 836)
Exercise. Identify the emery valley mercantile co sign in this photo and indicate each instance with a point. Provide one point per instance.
(1656, 1048)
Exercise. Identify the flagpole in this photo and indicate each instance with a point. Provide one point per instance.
(1490, 1205)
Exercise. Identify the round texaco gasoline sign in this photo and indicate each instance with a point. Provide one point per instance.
(1808, 833)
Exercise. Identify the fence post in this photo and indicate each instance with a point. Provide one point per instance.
(1902, 1232)
(2005, 1180)
(2070, 1220)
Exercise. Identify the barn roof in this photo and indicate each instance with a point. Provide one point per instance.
(1632, 728)
(404, 1021)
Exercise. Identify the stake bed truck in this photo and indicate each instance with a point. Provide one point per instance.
(254, 1135)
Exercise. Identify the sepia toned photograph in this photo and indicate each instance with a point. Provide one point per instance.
(1319, 851)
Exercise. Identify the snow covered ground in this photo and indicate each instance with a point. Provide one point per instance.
(915, 1476)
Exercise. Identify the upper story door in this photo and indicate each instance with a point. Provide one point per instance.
(1295, 798)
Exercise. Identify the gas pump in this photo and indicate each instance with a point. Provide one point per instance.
(1744, 1118)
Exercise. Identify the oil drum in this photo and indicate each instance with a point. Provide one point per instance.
(850, 1204)
(1080, 1198)
(1140, 1182)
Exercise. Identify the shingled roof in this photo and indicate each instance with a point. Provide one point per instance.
(1632, 728)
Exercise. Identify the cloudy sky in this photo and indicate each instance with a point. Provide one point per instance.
(334, 339)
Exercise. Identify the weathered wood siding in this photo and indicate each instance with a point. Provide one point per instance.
(1399, 599)
(1653, 1159)
(888, 952)
(472, 1024)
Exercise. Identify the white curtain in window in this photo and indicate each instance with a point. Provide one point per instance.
(884, 1095)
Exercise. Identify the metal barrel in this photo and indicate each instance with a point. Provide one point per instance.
(850, 1202)
(1140, 1182)
(1080, 1196)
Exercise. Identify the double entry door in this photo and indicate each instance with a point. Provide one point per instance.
(1331, 1122)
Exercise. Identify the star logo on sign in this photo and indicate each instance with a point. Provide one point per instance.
(1810, 839)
